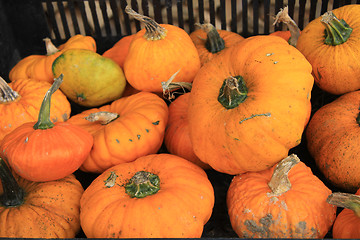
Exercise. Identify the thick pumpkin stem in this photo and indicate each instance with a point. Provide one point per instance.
(44, 121)
(12, 195)
(153, 30)
(7, 94)
(214, 42)
(283, 16)
(336, 31)
(345, 200)
(142, 184)
(102, 117)
(50, 47)
(280, 183)
(232, 92)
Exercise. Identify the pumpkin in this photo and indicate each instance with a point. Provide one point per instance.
(38, 209)
(156, 53)
(124, 130)
(39, 66)
(333, 137)
(20, 102)
(177, 136)
(346, 225)
(291, 35)
(249, 106)
(210, 42)
(155, 196)
(331, 44)
(43, 150)
(89, 79)
(119, 51)
(284, 201)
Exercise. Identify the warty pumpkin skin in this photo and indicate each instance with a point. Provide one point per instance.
(284, 201)
(210, 41)
(268, 84)
(156, 53)
(20, 102)
(39, 209)
(136, 128)
(333, 138)
(39, 66)
(336, 65)
(175, 200)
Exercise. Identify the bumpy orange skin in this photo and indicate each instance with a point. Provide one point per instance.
(199, 38)
(346, 225)
(333, 138)
(335, 68)
(301, 212)
(139, 130)
(39, 66)
(260, 131)
(179, 209)
(50, 210)
(151, 62)
(177, 136)
(27, 107)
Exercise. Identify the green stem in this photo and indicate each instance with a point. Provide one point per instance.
(7, 95)
(232, 92)
(12, 195)
(142, 184)
(336, 31)
(44, 121)
(345, 200)
(214, 42)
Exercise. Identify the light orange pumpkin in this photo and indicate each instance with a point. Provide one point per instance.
(119, 51)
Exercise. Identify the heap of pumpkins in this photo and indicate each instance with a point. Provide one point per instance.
(245, 104)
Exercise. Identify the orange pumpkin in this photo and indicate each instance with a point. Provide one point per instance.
(346, 225)
(43, 150)
(331, 44)
(21, 100)
(210, 42)
(124, 130)
(38, 209)
(156, 53)
(119, 51)
(333, 138)
(254, 97)
(285, 201)
(155, 196)
(39, 66)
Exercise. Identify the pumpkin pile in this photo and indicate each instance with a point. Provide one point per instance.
(151, 137)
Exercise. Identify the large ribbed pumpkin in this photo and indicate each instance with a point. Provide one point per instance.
(249, 106)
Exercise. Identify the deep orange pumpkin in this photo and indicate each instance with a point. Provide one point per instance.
(124, 130)
(119, 51)
(285, 201)
(43, 150)
(21, 100)
(39, 66)
(250, 105)
(155, 196)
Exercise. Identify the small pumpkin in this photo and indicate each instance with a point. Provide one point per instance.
(333, 138)
(155, 196)
(210, 41)
(20, 102)
(43, 150)
(124, 130)
(177, 136)
(157, 52)
(331, 44)
(346, 225)
(284, 201)
(39, 66)
(89, 79)
(249, 106)
(38, 209)
(119, 51)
